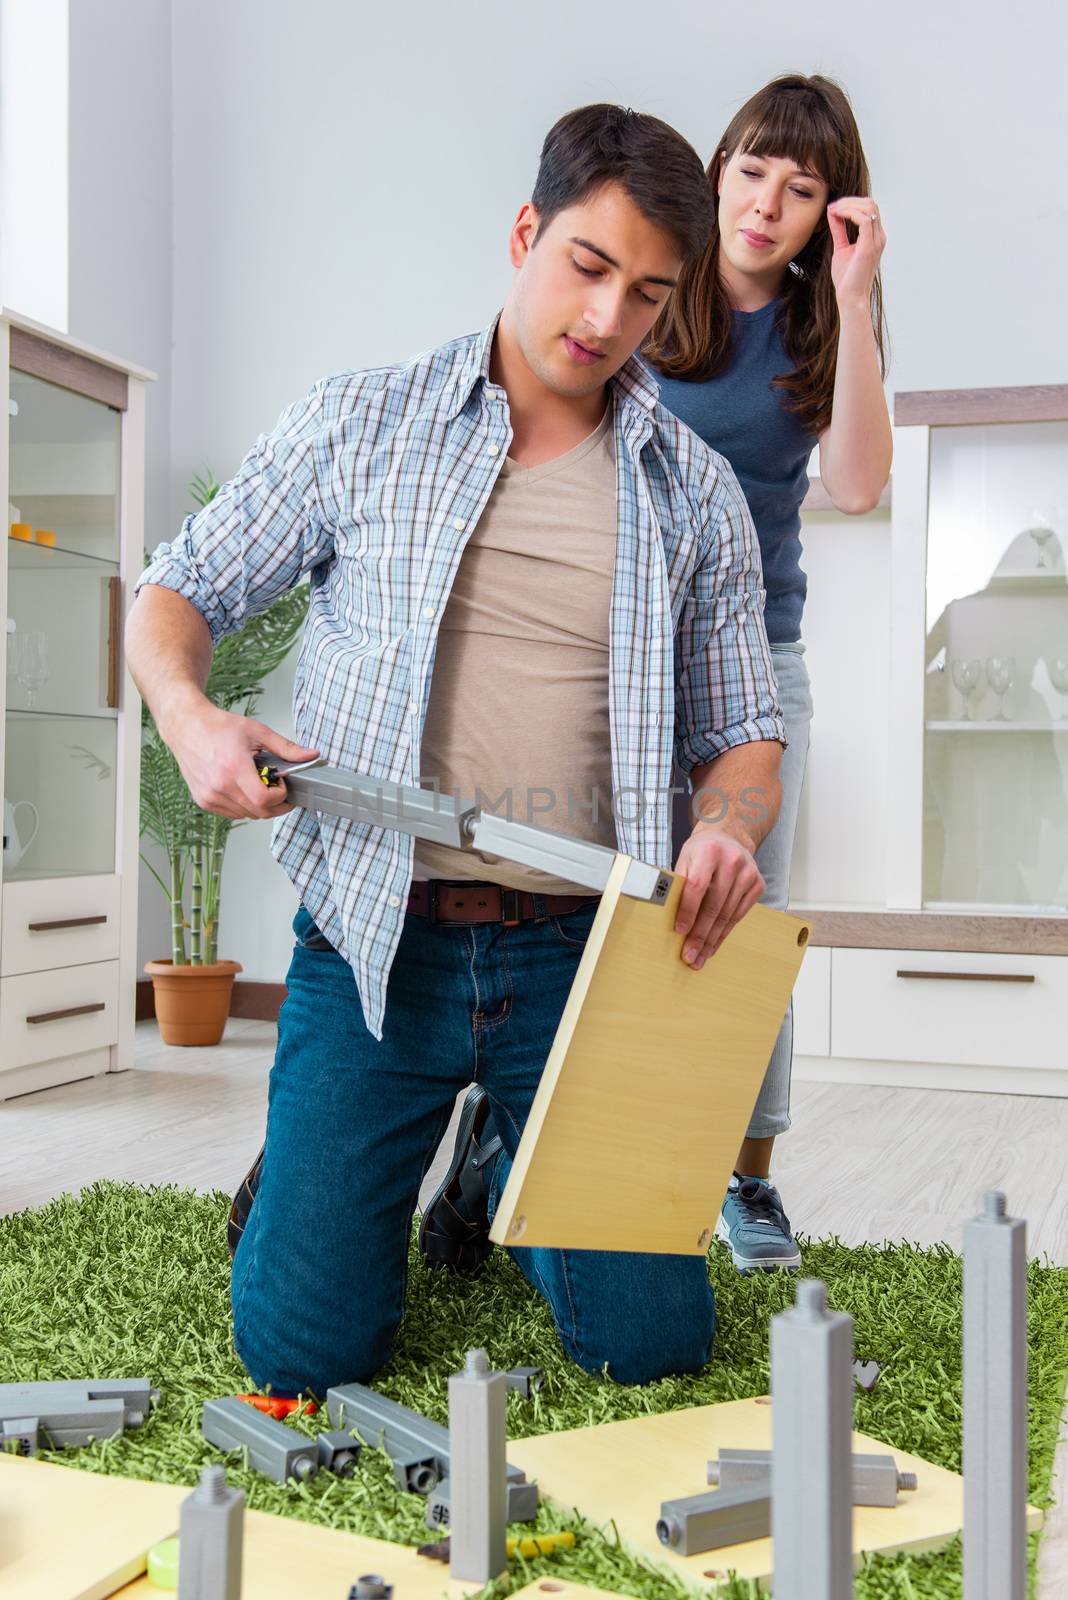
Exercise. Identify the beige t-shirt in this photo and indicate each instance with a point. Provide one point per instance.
(518, 707)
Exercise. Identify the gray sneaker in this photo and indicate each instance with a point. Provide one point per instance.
(756, 1227)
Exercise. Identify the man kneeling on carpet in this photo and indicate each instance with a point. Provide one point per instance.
(517, 512)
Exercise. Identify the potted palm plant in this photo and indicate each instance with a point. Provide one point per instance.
(192, 986)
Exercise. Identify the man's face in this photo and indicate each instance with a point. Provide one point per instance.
(588, 291)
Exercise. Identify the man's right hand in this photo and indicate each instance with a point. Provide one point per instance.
(214, 750)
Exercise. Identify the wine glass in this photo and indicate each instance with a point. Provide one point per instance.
(1000, 675)
(1041, 530)
(1057, 667)
(31, 662)
(966, 674)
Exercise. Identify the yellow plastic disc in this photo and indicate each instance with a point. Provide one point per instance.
(163, 1564)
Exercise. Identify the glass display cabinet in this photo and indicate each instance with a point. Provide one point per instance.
(995, 813)
(72, 469)
(959, 978)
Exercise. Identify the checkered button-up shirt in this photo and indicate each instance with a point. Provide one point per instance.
(371, 485)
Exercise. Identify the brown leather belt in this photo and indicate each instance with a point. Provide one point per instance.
(465, 902)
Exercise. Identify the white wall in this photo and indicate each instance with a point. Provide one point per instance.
(33, 159)
(121, 287)
(345, 176)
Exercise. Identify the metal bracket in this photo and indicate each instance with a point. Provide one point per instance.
(443, 819)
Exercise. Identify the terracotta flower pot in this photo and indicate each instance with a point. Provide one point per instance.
(192, 1003)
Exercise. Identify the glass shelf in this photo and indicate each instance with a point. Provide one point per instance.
(21, 714)
(25, 555)
(996, 727)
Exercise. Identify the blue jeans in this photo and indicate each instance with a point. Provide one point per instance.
(319, 1276)
(771, 1114)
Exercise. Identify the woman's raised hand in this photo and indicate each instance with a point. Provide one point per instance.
(853, 266)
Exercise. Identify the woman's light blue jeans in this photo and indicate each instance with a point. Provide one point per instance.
(771, 1115)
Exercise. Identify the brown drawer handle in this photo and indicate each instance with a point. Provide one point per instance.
(66, 922)
(975, 977)
(114, 636)
(71, 1011)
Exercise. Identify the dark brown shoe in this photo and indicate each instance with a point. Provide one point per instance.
(241, 1204)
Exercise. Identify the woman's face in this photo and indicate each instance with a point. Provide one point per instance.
(768, 211)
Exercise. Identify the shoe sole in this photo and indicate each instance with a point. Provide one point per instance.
(464, 1130)
(746, 1265)
(234, 1227)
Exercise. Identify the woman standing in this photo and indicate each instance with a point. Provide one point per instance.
(774, 342)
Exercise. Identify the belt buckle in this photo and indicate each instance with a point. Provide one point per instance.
(435, 885)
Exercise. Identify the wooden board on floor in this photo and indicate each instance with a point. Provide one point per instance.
(650, 1083)
(620, 1472)
(71, 1535)
(554, 1588)
(288, 1560)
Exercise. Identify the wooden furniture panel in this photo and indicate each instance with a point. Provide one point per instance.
(42, 358)
(109, 1524)
(937, 930)
(284, 1559)
(620, 1472)
(1031, 402)
(650, 1082)
(70, 1535)
(59, 922)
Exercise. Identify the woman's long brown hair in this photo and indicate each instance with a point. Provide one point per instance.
(808, 121)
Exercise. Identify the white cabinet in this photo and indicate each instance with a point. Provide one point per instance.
(71, 474)
(966, 1008)
(812, 1004)
(933, 845)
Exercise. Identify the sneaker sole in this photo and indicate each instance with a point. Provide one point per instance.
(464, 1130)
(747, 1264)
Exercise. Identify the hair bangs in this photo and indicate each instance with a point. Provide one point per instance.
(797, 125)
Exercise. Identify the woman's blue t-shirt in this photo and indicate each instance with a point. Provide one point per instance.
(739, 414)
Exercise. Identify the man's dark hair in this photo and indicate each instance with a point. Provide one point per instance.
(659, 170)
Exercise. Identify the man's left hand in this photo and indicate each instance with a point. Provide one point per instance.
(723, 882)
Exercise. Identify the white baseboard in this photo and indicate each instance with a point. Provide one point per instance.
(50, 1074)
(933, 1075)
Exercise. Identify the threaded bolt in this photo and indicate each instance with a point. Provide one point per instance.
(212, 1487)
(906, 1480)
(477, 1362)
(713, 1472)
(812, 1297)
(994, 1204)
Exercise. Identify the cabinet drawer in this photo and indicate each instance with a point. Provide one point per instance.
(48, 1014)
(948, 1006)
(59, 922)
(812, 1004)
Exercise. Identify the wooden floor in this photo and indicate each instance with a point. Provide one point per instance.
(867, 1164)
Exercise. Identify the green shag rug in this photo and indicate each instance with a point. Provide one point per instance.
(123, 1281)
